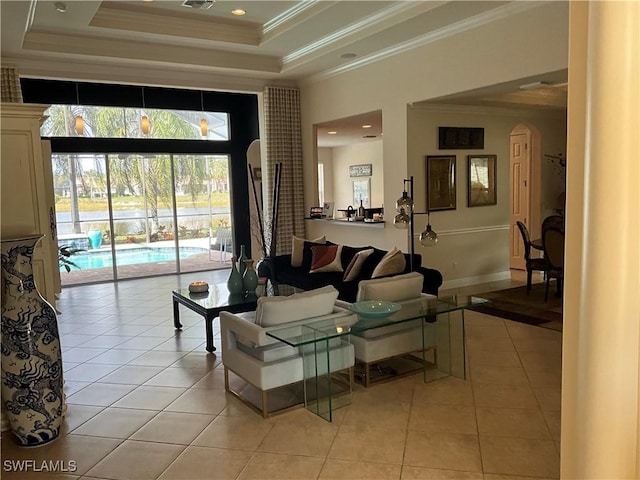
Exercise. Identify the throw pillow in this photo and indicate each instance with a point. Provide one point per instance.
(353, 269)
(272, 311)
(297, 248)
(391, 289)
(326, 258)
(392, 263)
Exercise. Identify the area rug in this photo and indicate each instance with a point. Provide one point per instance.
(515, 304)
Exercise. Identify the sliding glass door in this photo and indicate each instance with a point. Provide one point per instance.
(134, 215)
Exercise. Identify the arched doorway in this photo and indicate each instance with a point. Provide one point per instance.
(525, 186)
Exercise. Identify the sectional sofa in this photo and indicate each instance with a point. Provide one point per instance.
(284, 270)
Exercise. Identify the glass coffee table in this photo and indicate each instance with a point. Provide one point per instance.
(442, 322)
(209, 304)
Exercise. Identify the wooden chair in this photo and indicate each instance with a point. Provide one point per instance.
(553, 245)
(556, 221)
(538, 264)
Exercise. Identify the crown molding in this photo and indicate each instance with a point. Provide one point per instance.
(476, 21)
(90, 46)
(299, 13)
(127, 17)
(145, 75)
(516, 111)
(363, 28)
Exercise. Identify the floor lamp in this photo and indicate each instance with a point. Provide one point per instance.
(405, 218)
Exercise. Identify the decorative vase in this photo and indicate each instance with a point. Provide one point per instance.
(241, 258)
(32, 384)
(250, 278)
(234, 283)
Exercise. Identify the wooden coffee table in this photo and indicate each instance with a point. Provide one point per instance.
(210, 304)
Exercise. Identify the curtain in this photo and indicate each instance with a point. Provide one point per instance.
(284, 146)
(10, 90)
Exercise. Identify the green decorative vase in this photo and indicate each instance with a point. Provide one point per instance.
(234, 283)
(241, 258)
(250, 278)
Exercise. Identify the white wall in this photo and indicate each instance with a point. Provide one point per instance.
(325, 157)
(533, 43)
(475, 241)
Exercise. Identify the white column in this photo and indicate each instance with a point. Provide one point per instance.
(601, 357)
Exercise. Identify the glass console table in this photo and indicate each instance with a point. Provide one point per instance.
(442, 325)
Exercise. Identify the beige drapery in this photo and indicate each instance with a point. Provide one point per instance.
(284, 145)
(10, 90)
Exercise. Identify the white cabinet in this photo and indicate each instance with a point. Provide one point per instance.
(27, 204)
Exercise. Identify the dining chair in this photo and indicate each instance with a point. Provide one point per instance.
(533, 263)
(553, 221)
(553, 246)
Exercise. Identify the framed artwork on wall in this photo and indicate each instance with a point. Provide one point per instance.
(360, 170)
(481, 189)
(458, 138)
(441, 182)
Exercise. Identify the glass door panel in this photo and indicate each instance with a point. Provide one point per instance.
(82, 216)
(144, 233)
(203, 204)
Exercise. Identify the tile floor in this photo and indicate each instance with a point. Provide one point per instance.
(147, 402)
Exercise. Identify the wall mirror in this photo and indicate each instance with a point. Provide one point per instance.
(350, 165)
(441, 182)
(481, 189)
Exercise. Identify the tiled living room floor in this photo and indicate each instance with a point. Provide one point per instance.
(147, 402)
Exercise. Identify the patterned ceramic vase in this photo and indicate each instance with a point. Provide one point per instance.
(234, 283)
(250, 278)
(32, 385)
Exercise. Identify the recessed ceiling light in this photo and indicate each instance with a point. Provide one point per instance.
(366, 126)
(332, 132)
(60, 7)
(239, 12)
(348, 55)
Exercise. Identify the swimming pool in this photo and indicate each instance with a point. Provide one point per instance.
(131, 256)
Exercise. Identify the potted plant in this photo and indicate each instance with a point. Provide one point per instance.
(64, 255)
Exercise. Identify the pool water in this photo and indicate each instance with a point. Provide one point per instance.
(131, 256)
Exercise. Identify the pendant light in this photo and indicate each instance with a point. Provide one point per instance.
(428, 238)
(79, 119)
(145, 124)
(204, 128)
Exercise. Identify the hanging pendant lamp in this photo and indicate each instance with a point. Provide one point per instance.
(204, 128)
(145, 124)
(79, 120)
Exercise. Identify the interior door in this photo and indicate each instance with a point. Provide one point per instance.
(519, 201)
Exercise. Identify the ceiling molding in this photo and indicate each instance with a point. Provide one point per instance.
(157, 21)
(293, 17)
(145, 75)
(88, 46)
(456, 28)
(515, 111)
(364, 27)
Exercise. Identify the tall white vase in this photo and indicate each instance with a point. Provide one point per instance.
(32, 384)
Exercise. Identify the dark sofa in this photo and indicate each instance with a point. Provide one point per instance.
(280, 272)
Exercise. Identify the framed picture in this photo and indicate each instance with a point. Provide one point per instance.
(458, 138)
(441, 182)
(361, 191)
(481, 189)
(360, 170)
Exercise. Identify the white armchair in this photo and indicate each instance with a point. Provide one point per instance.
(376, 345)
(266, 363)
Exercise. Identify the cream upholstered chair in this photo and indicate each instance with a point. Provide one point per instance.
(375, 345)
(266, 363)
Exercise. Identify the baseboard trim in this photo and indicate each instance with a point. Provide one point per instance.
(465, 282)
